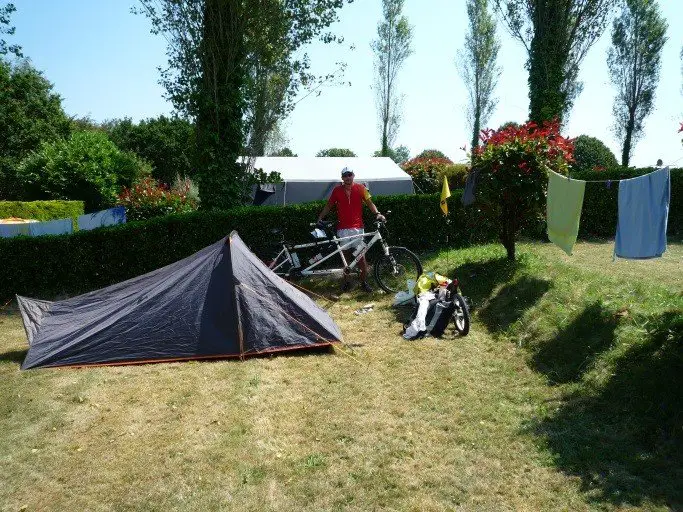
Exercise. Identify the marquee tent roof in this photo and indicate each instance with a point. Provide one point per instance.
(329, 168)
(313, 178)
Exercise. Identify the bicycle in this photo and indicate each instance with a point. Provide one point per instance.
(391, 271)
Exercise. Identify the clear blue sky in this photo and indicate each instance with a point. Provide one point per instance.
(103, 61)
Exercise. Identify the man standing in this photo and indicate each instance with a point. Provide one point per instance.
(349, 198)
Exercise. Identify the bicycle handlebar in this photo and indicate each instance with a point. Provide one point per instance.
(329, 224)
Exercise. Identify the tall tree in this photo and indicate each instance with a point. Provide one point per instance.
(31, 113)
(206, 68)
(392, 47)
(234, 69)
(278, 141)
(345, 152)
(557, 35)
(399, 154)
(167, 143)
(5, 28)
(477, 64)
(277, 68)
(634, 61)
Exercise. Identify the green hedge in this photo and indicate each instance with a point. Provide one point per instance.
(52, 265)
(41, 210)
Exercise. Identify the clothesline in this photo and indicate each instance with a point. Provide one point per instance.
(642, 213)
(619, 179)
(608, 181)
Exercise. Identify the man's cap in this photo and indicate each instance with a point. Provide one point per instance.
(346, 172)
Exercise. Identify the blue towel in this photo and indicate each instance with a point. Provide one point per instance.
(103, 218)
(12, 230)
(51, 227)
(643, 215)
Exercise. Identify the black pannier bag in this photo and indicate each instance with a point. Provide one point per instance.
(442, 312)
(439, 314)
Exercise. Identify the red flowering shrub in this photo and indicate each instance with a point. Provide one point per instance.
(513, 163)
(149, 198)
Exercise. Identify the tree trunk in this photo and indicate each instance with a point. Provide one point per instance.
(626, 150)
(476, 127)
(508, 232)
(385, 145)
(508, 241)
(510, 248)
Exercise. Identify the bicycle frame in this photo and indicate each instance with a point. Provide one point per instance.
(288, 255)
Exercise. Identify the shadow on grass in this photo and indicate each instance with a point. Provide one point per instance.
(478, 280)
(511, 301)
(625, 440)
(13, 356)
(566, 357)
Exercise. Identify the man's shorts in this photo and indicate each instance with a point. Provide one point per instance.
(341, 233)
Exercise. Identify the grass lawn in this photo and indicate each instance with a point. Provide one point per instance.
(566, 395)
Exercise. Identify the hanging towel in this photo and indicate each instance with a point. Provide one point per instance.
(12, 230)
(643, 215)
(109, 217)
(470, 186)
(563, 210)
(51, 227)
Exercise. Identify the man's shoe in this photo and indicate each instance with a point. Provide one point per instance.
(346, 286)
(366, 287)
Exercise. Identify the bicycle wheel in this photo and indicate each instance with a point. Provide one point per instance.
(461, 315)
(393, 271)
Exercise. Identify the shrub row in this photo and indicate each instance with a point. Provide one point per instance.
(41, 210)
(52, 265)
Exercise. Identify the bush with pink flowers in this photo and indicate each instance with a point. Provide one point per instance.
(428, 173)
(513, 165)
(149, 198)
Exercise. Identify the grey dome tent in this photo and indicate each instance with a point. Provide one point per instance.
(313, 178)
(220, 302)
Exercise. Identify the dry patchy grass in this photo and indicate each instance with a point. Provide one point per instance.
(597, 257)
(378, 424)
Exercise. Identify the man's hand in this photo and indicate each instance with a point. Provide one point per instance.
(320, 225)
(381, 218)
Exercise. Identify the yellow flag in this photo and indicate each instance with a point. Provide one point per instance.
(445, 194)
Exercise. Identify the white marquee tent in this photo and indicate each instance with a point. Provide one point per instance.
(313, 178)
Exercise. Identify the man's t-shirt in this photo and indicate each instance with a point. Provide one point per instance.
(349, 207)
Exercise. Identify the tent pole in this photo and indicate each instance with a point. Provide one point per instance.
(240, 334)
(236, 303)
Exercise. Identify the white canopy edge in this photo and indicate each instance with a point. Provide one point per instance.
(327, 169)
